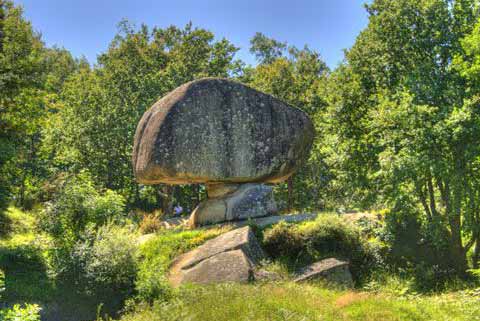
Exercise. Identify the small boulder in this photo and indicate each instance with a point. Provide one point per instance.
(230, 257)
(331, 270)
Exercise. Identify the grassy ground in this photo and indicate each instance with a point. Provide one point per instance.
(292, 302)
(22, 257)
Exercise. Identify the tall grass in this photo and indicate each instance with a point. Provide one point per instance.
(303, 302)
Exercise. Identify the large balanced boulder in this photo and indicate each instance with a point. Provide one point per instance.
(230, 257)
(223, 134)
(218, 130)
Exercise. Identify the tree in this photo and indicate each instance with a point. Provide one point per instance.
(265, 49)
(403, 121)
(102, 106)
(20, 82)
(298, 79)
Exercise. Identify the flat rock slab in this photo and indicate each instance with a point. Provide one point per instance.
(270, 220)
(171, 223)
(230, 266)
(228, 257)
(331, 270)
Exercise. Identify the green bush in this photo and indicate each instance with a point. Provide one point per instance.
(417, 247)
(283, 240)
(30, 312)
(327, 236)
(104, 263)
(78, 204)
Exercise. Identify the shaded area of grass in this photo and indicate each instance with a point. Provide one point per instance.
(21, 258)
(28, 279)
(294, 302)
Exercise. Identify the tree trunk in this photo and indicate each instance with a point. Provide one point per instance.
(196, 194)
(167, 202)
(431, 193)
(476, 253)
(290, 193)
(454, 219)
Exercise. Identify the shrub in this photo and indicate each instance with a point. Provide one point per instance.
(78, 204)
(150, 223)
(327, 236)
(417, 247)
(105, 261)
(283, 240)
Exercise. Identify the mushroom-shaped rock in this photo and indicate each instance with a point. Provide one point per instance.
(217, 130)
(224, 134)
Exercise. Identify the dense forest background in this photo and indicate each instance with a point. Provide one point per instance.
(398, 123)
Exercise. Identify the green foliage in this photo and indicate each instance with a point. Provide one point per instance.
(77, 205)
(283, 240)
(402, 119)
(327, 236)
(30, 312)
(22, 259)
(265, 49)
(104, 262)
(20, 71)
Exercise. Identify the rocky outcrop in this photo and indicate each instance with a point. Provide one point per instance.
(331, 270)
(230, 257)
(223, 134)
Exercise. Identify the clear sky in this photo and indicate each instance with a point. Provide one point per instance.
(86, 27)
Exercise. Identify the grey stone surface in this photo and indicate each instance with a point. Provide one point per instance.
(331, 270)
(270, 220)
(174, 222)
(231, 266)
(266, 276)
(216, 130)
(247, 201)
(228, 257)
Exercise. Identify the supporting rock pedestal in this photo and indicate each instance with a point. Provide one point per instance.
(234, 202)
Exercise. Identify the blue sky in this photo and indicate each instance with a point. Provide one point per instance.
(86, 27)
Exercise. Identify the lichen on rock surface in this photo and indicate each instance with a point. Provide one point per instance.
(217, 130)
(228, 136)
